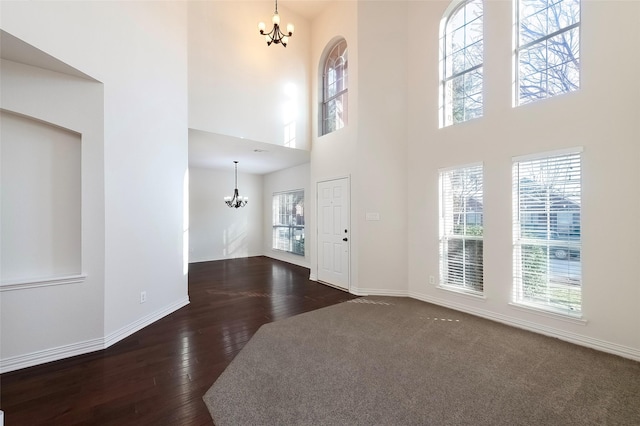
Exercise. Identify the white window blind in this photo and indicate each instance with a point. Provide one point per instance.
(461, 229)
(547, 233)
(288, 221)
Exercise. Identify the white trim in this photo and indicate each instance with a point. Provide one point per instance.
(547, 154)
(463, 166)
(379, 292)
(462, 292)
(22, 284)
(141, 323)
(87, 346)
(48, 355)
(313, 277)
(574, 319)
(597, 344)
(286, 191)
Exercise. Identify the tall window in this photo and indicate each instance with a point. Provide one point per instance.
(548, 48)
(288, 221)
(462, 58)
(461, 229)
(546, 231)
(334, 89)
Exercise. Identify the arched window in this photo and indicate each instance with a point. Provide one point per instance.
(548, 48)
(334, 88)
(461, 38)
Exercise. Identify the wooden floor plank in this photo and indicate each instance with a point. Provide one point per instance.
(158, 375)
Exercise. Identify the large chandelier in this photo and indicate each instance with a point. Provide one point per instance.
(276, 35)
(236, 201)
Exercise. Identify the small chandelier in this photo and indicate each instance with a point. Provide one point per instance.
(276, 35)
(236, 201)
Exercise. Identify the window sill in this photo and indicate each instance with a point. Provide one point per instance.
(462, 292)
(41, 282)
(287, 252)
(574, 319)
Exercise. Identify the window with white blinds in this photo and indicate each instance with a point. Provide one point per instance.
(461, 229)
(546, 232)
(288, 221)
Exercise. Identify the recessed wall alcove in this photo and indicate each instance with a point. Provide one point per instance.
(52, 214)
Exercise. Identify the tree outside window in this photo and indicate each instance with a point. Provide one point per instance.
(462, 63)
(334, 89)
(548, 50)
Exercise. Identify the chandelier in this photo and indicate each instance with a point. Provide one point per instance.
(276, 35)
(236, 201)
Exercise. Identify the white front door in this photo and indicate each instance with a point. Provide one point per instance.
(333, 232)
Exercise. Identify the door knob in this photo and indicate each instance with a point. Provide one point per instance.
(345, 239)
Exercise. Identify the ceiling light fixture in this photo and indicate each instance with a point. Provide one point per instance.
(276, 35)
(236, 201)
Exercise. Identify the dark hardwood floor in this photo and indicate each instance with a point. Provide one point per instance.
(158, 375)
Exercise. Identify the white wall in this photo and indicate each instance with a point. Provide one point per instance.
(216, 230)
(602, 117)
(289, 179)
(238, 85)
(372, 148)
(333, 155)
(380, 181)
(41, 226)
(138, 50)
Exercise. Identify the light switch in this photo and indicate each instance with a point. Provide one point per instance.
(373, 216)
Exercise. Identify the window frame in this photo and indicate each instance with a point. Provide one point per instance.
(447, 234)
(341, 95)
(518, 100)
(292, 227)
(540, 237)
(446, 98)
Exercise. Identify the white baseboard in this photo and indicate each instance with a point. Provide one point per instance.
(48, 355)
(597, 344)
(313, 277)
(129, 329)
(578, 339)
(85, 347)
(379, 292)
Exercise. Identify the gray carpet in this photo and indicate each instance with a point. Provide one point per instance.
(399, 361)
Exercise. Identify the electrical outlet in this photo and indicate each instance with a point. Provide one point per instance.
(432, 279)
(143, 296)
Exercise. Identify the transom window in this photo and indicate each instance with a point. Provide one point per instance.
(461, 63)
(288, 221)
(334, 89)
(548, 48)
(546, 232)
(461, 229)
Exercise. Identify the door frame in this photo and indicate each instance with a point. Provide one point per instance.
(317, 226)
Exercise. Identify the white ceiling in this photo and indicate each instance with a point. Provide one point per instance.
(216, 151)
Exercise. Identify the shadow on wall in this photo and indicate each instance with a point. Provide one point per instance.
(234, 240)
